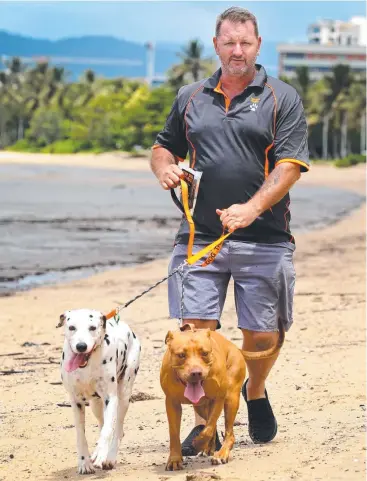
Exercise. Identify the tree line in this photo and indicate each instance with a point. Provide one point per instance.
(42, 111)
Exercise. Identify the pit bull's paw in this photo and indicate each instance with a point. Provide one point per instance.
(201, 443)
(220, 457)
(85, 466)
(174, 463)
(101, 459)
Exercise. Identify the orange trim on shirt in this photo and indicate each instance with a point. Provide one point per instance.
(187, 127)
(219, 90)
(294, 161)
(157, 146)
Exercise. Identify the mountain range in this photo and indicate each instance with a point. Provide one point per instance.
(107, 56)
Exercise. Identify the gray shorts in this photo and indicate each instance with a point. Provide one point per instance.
(263, 276)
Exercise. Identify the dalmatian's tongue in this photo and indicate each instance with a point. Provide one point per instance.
(74, 362)
(194, 391)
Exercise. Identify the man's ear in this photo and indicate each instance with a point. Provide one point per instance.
(61, 320)
(169, 337)
(104, 320)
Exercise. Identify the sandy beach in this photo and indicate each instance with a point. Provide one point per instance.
(317, 387)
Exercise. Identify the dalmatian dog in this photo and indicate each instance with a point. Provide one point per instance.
(100, 360)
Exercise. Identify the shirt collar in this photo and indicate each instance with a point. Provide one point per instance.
(258, 81)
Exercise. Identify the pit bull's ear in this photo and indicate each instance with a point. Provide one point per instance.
(62, 320)
(169, 337)
(104, 320)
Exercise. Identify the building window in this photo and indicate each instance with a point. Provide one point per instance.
(295, 55)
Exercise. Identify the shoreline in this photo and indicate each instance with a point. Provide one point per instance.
(317, 387)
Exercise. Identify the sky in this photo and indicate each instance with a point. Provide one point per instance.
(165, 21)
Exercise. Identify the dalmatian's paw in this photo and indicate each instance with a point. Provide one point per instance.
(85, 466)
(101, 459)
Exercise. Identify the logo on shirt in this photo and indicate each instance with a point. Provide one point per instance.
(254, 103)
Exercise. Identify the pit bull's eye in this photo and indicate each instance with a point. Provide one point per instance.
(181, 355)
(71, 328)
(204, 353)
(92, 328)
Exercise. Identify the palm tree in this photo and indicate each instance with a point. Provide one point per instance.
(193, 66)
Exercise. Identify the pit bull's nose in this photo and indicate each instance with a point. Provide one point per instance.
(81, 346)
(196, 375)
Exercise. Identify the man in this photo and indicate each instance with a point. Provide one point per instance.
(247, 133)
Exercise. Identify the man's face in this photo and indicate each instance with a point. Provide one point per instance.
(237, 47)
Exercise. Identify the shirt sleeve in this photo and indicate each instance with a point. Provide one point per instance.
(173, 136)
(291, 134)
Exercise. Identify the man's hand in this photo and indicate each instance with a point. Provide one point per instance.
(238, 216)
(169, 176)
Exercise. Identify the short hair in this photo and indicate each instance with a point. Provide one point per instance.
(236, 14)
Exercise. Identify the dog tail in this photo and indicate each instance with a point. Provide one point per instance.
(253, 356)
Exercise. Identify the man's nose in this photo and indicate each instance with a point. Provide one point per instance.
(237, 50)
(81, 347)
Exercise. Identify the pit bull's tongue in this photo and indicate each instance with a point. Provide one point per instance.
(194, 391)
(74, 362)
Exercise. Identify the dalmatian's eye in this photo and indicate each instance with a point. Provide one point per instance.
(92, 328)
(71, 328)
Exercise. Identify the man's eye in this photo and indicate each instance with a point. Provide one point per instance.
(71, 328)
(181, 355)
(92, 328)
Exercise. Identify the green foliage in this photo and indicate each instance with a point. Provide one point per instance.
(40, 111)
(349, 160)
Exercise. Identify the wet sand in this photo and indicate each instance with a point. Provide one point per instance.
(317, 387)
(62, 222)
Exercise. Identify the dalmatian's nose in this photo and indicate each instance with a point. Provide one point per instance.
(81, 346)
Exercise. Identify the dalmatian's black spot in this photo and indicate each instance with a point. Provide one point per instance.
(82, 458)
(113, 378)
(96, 395)
(63, 355)
(125, 346)
(123, 360)
(104, 361)
(129, 378)
(110, 324)
(128, 334)
(79, 405)
(107, 340)
(122, 352)
(117, 353)
(122, 373)
(91, 316)
(111, 358)
(68, 319)
(134, 335)
(83, 399)
(106, 402)
(136, 371)
(139, 348)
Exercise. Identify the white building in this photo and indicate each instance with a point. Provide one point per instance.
(331, 42)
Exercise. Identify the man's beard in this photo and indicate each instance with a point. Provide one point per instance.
(246, 70)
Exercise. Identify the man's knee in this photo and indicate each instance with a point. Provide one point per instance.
(259, 341)
(201, 323)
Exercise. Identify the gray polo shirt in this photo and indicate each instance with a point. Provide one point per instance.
(236, 144)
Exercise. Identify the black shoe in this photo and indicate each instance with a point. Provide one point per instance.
(262, 425)
(187, 447)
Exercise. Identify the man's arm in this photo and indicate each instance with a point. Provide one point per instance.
(165, 168)
(275, 187)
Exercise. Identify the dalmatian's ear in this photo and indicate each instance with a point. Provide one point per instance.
(104, 320)
(62, 320)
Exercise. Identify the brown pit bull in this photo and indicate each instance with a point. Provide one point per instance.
(203, 368)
